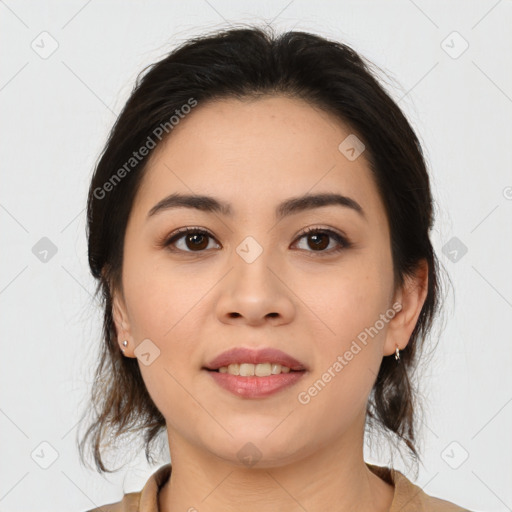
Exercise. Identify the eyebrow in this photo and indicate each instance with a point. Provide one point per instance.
(288, 207)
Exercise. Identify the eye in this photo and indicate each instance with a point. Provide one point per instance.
(318, 240)
(194, 239)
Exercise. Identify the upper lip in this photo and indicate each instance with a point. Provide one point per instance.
(261, 355)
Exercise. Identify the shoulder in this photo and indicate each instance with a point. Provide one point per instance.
(410, 497)
(129, 503)
(145, 500)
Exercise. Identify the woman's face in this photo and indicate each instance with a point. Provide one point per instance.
(259, 282)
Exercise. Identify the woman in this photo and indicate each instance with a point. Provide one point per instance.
(259, 227)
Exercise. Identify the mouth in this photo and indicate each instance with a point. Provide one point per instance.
(249, 373)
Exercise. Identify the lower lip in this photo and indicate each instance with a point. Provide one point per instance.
(255, 387)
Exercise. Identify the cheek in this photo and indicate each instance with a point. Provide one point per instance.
(163, 307)
(162, 300)
(347, 359)
(353, 302)
(168, 307)
(353, 297)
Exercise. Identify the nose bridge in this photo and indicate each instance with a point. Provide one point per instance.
(250, 250)
(254, 290)
(252, 264)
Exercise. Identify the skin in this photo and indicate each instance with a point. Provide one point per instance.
(312, 305)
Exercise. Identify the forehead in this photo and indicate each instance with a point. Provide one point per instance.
(252, 152)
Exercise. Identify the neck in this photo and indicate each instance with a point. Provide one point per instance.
(333, 478)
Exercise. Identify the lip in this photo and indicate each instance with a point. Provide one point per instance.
(255, 387)
(248, 355)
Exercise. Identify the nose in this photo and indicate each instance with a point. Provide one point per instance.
(255, 294)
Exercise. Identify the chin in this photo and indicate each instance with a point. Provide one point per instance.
(255, 448)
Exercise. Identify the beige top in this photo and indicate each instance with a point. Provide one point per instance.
(407, 498)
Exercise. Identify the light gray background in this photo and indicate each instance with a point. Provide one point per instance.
(56, 114)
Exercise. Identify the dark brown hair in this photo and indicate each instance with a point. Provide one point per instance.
(247, 63)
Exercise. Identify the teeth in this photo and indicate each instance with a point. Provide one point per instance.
(251, 370)
(234, 369)
(246, 369)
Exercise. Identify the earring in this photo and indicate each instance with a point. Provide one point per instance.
(125, 343)
(397, 354)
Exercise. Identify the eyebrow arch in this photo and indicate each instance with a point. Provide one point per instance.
(288, 207)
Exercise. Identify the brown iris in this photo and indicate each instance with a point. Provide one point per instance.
(198, 241)
(318, 243)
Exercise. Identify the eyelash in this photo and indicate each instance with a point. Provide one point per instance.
(343, 242)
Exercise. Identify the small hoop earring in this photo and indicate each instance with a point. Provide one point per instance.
(397, 354)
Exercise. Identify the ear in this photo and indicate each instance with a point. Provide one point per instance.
(411, 296)
(122, 324)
